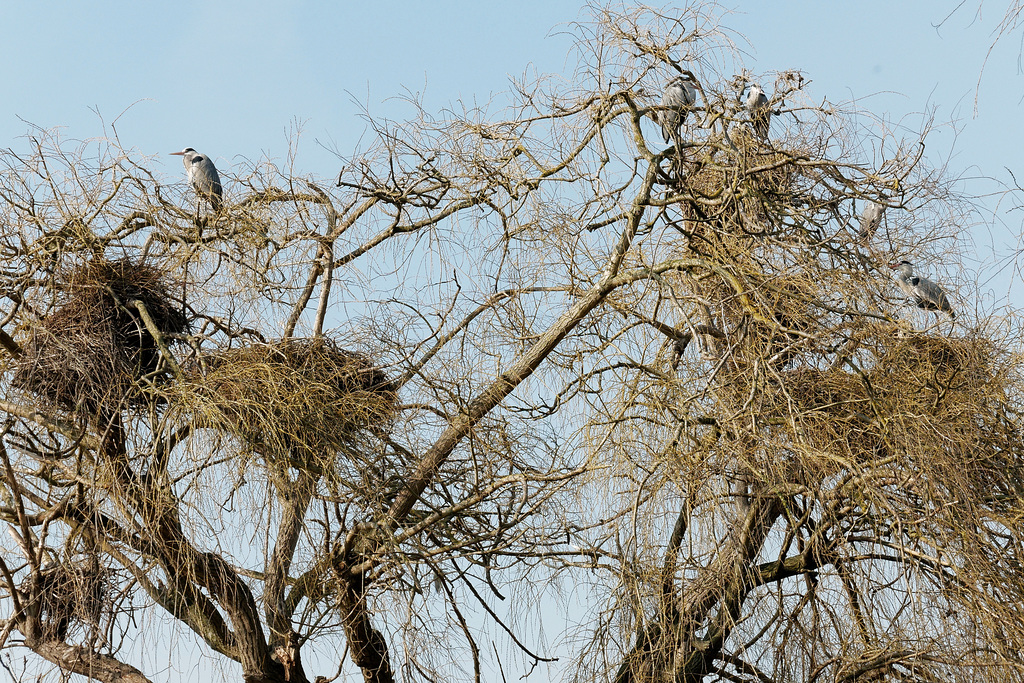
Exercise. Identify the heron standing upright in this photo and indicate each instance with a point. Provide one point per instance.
(926, 294)
(757, 107)
(202, 175)
(680, 94)
(870, 219)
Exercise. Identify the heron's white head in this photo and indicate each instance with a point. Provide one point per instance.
(903, 268)
(183, 152)
(684, 81)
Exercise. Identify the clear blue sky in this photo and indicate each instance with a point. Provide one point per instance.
(231, 78)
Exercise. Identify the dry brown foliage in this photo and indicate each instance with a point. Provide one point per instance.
(70, 595)
(516, 373)
(288, 399)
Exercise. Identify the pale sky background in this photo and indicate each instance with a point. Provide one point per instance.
(231, 79)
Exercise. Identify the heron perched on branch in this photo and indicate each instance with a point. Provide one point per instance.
(925, 293)
(680, 94)
(870, 219)
(760, 113)
(202, 175)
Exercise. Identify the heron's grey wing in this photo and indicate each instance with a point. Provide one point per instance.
(211, 171)
(671, 117)
(206, 180)
(674, 95)
(669, 122)
(215, 189)
(870, 219)
(689, 94)
(932, 294)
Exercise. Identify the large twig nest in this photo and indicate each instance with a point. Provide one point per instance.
(303, 400)
(924, 359)
(829, 416)
(69, 595)
(93, 349)
(766, 169)
(939, 405)
(735, 191)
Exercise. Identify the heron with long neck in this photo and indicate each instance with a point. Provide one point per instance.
(202, 176)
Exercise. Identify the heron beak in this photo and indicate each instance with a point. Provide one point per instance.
(894, 266)
(177, 154)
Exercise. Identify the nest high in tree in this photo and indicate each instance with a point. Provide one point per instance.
(295, 400)
(931, 404)
(91, 352)
(735, 189)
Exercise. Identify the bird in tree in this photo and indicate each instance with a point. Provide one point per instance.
(202, 175)
(680, 94)
(925, 293)
(870, 219)
(757, 107)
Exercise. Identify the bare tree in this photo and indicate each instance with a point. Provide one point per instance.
(506, 354)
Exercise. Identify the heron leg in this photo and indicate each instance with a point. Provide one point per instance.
(198, 220)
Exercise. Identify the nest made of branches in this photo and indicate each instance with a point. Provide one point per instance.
(69, 594)
(299, 400)
(828, 418)
(735, 190)
(766, 169)
(91, 352)
(941, 403)
(927, 360)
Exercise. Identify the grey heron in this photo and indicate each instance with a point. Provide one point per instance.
(680, 94)
(925, 293)
(870, 219)
(202, 175)
(757, 107)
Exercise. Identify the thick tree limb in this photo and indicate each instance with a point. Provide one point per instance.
(86, 662)
(12, 347)
(184, 564)
(295, 499)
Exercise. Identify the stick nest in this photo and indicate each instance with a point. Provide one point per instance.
(734, 191)
(298, 399)
(69, 596)
(91, 352)
(939, 402)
